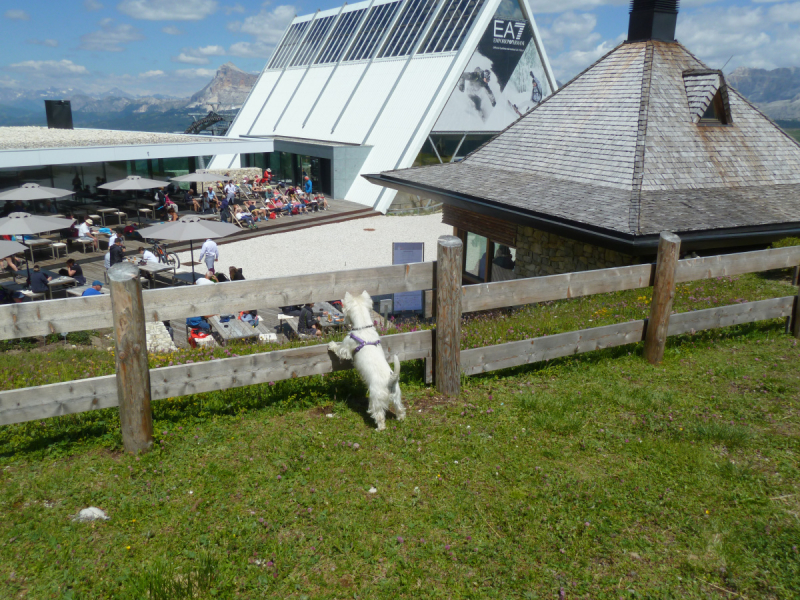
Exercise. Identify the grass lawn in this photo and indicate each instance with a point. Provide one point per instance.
(597, 476)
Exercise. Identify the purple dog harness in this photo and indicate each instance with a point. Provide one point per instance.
(362, 343)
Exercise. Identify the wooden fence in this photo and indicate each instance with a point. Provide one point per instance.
(132, 389)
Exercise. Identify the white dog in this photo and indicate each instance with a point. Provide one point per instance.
(362, 346)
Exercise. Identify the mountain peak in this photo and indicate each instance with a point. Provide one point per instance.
(227, 90)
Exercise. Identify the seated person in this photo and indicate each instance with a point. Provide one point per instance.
(171, 208)
(146, 257)
(10, 264)
(37, 282)
(322, 201)
(207, 280)
(243, 216)
(308, 324)
(95, 290)
(297, 203)
(236, 274)
(75, 271)
(197, 203)
(85, 233)
(131, 233)
(258, 213)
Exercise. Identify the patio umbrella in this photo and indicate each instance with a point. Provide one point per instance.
(131, 183)
(8, 248)
(188, 229)
(20, 223)
(198, 177)
(33, 191)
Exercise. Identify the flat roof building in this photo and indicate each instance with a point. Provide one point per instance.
(389, 84)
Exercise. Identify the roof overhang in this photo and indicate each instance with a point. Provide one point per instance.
(33, 157)
(643, 245)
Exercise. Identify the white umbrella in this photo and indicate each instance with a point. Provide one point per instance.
(33, 191)
(198, 177)
(188, 229)
(131, 183)
(8, 248)
(20, 223)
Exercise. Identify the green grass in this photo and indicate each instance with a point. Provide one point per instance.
(598, 475)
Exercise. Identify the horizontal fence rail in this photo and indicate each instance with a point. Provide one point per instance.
(516, 292)
(70, 397)
(514, 354)
(80, 314)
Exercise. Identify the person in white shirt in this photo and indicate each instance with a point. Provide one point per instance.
(147, 257)
(230, 192)
(209, 254)
(209, 279)
(85, 232)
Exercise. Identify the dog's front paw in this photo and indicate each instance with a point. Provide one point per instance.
(332, 346)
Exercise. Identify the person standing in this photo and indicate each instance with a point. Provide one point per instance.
(230, 192)
(209, 253)
(309, 186)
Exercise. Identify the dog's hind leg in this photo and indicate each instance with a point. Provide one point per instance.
(397, 402)
(377, 408)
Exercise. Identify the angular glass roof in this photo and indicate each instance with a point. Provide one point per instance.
(340, 37)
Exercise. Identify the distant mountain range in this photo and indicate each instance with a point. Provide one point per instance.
(775, 92)
(117, 109)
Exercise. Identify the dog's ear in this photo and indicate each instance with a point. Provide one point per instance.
(348, 299)
(366, 298)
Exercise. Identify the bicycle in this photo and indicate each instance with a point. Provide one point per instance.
(169, 258)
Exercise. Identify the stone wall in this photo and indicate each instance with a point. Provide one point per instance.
(237, 174)
(540, 253)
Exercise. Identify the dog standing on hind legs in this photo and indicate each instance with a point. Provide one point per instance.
(362, 346)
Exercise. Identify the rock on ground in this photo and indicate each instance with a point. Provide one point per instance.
(90, 514)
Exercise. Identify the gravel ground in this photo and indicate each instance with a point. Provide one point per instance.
(42, 137)
(333, 247)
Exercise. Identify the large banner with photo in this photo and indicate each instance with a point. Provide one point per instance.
(503, 79)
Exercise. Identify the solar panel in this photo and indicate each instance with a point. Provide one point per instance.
(284, 52)
(370, 35)
(451, 26)
(408, 28)
(340, 37)
(310, 45)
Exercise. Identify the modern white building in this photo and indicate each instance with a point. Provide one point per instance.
(387, 84)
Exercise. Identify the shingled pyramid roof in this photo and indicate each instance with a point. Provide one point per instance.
(627, 148)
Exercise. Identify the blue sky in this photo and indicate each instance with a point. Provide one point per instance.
(174, 46)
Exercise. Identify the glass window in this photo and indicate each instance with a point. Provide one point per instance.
(503, 262)
(340, 37)
(310, 45)
(408, 28)
(451, 26)
(378, 20)
(475, 252)
(285, 51)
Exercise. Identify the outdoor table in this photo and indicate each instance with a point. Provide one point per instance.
(37, 243)
(207, 216)
(233, 330)
(186, 278)
(153, 268)
(78, 290)
(58, 281)
(103, 212)
(18, 287)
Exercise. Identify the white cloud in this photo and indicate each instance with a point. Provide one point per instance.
(156, 73)
(574, 26)
(171, 30)
(17, 15)
(266, 28)
(190, 60)
(110, 37)
(199, 56)
(168, 10)
(92, 5)
(51, 68)
(195, 73)
(785, 13)
(49, 43)
(548, 6)
(236, 8)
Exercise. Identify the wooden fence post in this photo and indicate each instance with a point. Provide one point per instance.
(448, 316)
(133, 372)
(663, 294)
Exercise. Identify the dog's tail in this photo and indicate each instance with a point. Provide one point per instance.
(396, 373)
